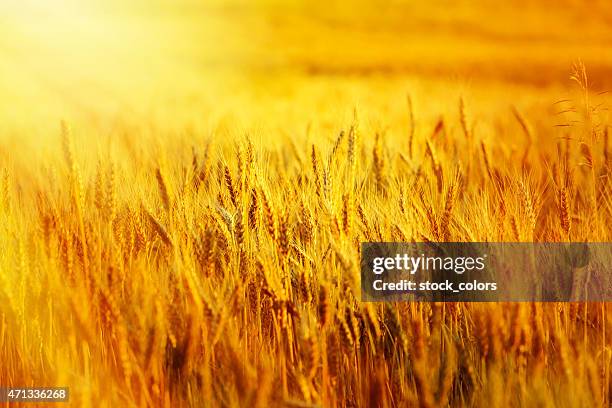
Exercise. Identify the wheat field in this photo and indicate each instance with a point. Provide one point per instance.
(182, 206)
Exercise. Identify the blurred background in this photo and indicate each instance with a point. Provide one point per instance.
(257, 64)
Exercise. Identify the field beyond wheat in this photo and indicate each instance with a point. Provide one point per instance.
(184, 189)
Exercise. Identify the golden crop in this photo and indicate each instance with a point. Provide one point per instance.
(203, 250)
